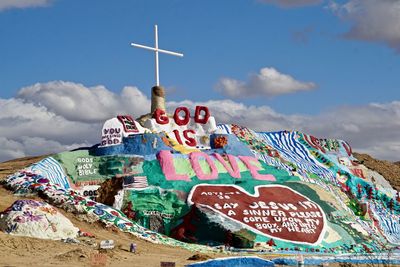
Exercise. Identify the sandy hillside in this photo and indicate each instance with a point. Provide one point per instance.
(389, 170)
(23, 251)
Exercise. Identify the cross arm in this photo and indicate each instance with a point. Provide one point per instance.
(157, 50)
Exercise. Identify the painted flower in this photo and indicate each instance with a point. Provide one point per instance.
(90, 203)
(121, 226)
(43, 181)
(19, 219)
(108, 217)
(11, 228)
(101, 206)
(98, 211)
(31, 217)
(113, 212)
(17, 205)
(78, 198)
(49, 210)
(34, 186)
(32, 203)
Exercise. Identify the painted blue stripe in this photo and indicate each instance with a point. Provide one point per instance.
(292, 150)
(225, 127)
(51, 169)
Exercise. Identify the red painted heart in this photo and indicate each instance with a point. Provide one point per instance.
(274, 210)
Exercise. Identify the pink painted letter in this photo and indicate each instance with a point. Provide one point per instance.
(233, 169)
(168, 168)
(254, 169)
(194, 160)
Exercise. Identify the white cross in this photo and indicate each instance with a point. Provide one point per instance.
(157, 50)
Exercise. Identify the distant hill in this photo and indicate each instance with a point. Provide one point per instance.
(389, 170)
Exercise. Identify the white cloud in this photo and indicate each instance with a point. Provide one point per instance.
(33, 146)
(291, 3)
(267, 83)
(9, 4)
(19, 118)
(10, 149)
(371, 20)
(29, 129)
(57, 116)
(76, 102)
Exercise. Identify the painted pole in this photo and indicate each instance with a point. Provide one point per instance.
(156, 46)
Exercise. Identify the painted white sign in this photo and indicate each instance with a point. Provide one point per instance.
(107, 244)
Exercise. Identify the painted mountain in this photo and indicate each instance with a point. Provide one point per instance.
(182, 179)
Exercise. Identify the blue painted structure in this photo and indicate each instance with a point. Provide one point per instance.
(234, 262)
(138, 144)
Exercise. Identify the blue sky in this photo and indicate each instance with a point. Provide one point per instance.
(296, 61)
